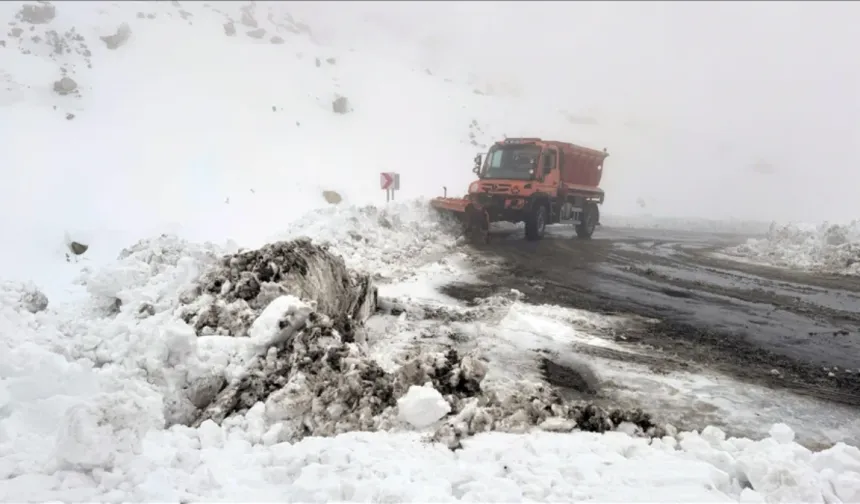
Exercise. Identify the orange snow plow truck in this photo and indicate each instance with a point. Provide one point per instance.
(535, 181)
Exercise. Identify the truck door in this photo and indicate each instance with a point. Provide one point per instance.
(548, 166)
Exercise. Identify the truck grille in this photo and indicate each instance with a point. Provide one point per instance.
(494, 200)
(496, 188)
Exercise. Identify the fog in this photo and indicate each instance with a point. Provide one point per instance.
(710, 109)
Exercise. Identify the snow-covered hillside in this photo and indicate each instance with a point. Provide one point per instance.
(200, 116)
(162, 367)
(200, 104)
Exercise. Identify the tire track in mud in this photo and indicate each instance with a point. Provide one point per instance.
(749, 322)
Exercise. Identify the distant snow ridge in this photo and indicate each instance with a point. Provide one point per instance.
(684, 224)
(830, 248)
(389, 240)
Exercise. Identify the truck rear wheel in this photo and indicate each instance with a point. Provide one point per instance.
(536, 223)
(588, 221)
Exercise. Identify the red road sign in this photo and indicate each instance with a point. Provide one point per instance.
(386, 180)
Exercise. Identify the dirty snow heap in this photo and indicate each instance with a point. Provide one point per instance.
(308, 371)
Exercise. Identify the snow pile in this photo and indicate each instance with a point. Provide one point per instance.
(830, 248)
(390, 241)
(317, 380)
(267, 296)
(127, 325)
(123, 356)
(232, 296)
(150, 272)
(60, 409)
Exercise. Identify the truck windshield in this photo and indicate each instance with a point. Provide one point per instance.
(512, 162)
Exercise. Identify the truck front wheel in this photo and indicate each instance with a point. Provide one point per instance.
(536, 223)
(588, 221)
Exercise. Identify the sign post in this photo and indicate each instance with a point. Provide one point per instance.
(390, 182)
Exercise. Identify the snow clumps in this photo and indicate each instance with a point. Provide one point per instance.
(23, 295)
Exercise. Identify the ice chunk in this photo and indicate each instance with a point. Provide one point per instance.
(556, 424)
(781, 433)
(267, 325)
(422, 406)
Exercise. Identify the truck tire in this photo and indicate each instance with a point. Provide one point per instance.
(536, 223)
(588, 221)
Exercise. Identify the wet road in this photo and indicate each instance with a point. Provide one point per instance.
(785, 329)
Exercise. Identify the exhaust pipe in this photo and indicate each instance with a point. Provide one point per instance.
(444, 192)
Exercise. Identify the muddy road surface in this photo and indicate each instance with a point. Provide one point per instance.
(768, 326)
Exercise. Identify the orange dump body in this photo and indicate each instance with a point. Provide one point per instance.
(579, 167)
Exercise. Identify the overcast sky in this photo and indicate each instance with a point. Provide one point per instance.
(752, 108)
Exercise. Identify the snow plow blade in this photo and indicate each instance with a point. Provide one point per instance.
(475, 220)
(455, 205)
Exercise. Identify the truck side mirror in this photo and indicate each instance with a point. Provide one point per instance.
(477, 168)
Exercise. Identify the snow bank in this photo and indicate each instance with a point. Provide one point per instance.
(388, 241)
(830, 248)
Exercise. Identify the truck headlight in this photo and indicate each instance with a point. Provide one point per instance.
(473, 187)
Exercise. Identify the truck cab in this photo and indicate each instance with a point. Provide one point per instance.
(531, 165)
(517, 159)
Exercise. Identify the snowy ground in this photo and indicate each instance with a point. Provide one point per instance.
(105, 358)
(514, 336)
